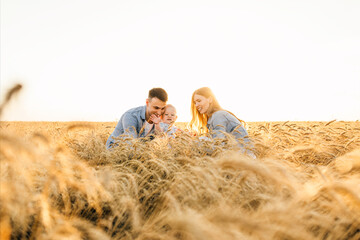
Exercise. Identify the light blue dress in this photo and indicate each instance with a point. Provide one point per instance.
(170, 131)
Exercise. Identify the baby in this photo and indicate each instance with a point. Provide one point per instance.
(166, 124)
(170, 115)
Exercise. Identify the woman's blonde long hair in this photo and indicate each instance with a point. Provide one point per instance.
(199, 121)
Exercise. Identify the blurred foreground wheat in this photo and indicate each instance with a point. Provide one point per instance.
(58, 181)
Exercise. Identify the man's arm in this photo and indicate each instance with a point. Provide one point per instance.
(126, 127)
(130, 124)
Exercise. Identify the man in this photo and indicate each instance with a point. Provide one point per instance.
(137, 122)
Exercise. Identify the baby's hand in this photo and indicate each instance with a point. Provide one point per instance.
(155, 119)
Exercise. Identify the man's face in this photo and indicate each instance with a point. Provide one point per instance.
(154, 106)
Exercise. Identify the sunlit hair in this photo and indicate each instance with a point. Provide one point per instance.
(199, 121)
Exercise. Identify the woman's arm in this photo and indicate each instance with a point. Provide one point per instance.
(218, 125)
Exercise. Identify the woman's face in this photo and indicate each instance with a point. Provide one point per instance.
(202, 103)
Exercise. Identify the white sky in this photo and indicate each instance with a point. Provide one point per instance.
(91, 60)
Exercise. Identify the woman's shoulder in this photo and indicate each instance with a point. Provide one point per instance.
(136, 111)
(222, 113)
(218, 117)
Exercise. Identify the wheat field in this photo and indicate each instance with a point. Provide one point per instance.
(58, 181)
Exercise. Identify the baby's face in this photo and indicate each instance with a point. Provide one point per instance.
(169, 115)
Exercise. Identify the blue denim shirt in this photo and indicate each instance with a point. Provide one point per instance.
(129, 125)
(223, 121)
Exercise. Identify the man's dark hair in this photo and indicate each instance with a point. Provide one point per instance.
(159, 93)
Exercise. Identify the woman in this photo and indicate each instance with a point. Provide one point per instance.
(209, 117)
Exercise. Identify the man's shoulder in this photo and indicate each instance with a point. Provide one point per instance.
(134, 113)
(136, 110)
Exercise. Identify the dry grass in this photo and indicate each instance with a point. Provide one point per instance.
(58, 181)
